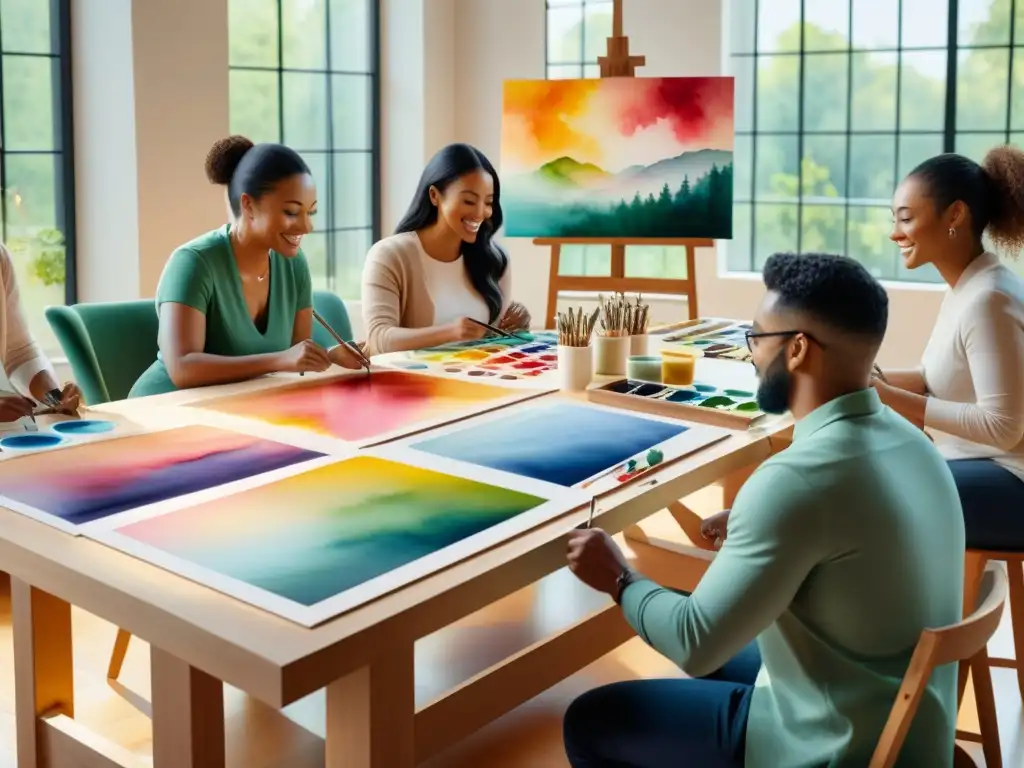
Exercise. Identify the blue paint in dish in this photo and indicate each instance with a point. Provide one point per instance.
(413, 366)
(31, 441)
(684, 396)
(84, 427)
(705, 387)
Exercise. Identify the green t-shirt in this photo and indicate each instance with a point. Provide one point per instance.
(203, 274)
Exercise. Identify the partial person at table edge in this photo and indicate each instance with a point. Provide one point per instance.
(236, 303)
(967, 390)
(442, 269)
(28, 369)
(808, 569)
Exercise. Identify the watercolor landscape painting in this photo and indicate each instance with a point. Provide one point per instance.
(625, 157)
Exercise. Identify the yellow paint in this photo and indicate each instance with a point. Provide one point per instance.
(677, 366)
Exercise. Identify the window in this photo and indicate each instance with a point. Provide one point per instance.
(36, 163)
(305, 73)
(836, 100)
(577, 34)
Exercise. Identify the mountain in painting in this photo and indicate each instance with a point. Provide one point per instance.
(689, 195)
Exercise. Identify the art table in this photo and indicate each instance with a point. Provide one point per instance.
(201, 638)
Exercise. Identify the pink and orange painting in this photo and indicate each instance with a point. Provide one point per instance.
(366, 409)
(623, 157)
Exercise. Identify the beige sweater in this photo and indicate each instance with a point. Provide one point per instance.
(395, 293)
(22, 357)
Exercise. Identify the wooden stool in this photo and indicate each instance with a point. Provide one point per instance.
(964, 642)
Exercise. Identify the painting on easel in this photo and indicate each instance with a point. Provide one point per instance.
(620, 157)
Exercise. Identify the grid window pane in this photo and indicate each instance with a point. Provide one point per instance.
(777, 167)
(977, 145)
(742, 164)
(742, 70)
(825, 92)
(350, 45)
(30, 84)
(565, 35)
(326, 101)
(983, 22)
(775, 230)
(305, 111)
(778, 77)
(31, 191)
(915, 149)
(352, 108)
(824, 166)
(1017, 97)
(868, 233)
(872, 167)
(585, 260)
(984, 74)
(27, 27)
(876, 24)
(656, 261)
(742, 16)
(565, 72)
(300, 49)
(822, 228)
(874, 77)
(597, 29)
(591, 71)
(826, 25)
(348, 251)
(778, 26)
(738, 257)
(924, 23)
(252, 33)
(923, 91)
(254, 104)
(352, 205)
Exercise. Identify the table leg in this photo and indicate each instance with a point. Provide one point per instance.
(188, 714)
(43, 664)
(371, 714)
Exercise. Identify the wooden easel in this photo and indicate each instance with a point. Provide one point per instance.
(619, 63)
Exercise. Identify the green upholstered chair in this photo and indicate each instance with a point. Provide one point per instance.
(332, 309)
(108, 344)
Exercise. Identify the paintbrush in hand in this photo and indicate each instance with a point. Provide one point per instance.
(494, 329)
(347, 344)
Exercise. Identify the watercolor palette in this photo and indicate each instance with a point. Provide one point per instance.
(584, 445)
(92, 481)
(357, 409)
(716, 338)
(736, 408)
(321, 539)
(496, 360)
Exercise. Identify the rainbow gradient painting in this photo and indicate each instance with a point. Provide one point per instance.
(362, 410)
(327, 539)
(622, 157)
(87, 483)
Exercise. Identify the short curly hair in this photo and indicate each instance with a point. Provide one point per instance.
(834, 290)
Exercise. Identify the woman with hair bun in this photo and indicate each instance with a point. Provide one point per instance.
(237, 302)
(969, 388)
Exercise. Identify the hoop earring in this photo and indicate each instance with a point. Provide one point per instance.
(952, 232)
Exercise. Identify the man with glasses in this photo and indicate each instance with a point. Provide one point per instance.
(840, 550)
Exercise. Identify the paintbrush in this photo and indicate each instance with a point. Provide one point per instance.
(348, 345)
(593, 507)
(495, 329)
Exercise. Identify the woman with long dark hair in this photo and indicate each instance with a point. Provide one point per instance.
(442, 269)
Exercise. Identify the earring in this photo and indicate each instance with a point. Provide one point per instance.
(952, 232)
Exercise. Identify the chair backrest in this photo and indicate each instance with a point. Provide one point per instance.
(108, 344)
(957, 642)
(332, 309)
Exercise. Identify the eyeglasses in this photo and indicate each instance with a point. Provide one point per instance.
(764, 334)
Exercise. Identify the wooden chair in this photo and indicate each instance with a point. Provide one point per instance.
(963, 642)
(975, 565)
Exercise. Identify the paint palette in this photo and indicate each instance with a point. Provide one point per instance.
(736, 408)
(55, 435)
(716, 338)
(497, 360)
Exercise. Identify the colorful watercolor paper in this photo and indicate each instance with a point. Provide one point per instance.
(619, 157)
(565, 443)
(501, 361)
(329, 538)
(360, 410)
(87, 483)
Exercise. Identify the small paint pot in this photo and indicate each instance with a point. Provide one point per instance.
(678, 366)
(575, 368)
(638, 345)
(644, 368)
(34, 441)
(610, 355)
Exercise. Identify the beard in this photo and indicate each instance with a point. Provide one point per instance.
(773, 389)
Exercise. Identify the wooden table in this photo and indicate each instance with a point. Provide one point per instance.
(201, 638)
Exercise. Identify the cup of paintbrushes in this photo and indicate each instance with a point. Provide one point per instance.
(611, 351)
(575, 359)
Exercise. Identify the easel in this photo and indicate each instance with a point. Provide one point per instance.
(619, 63)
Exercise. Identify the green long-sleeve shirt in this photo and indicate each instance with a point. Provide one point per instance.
(840, 550)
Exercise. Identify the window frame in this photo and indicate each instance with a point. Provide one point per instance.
(374, 151)
(952, 48)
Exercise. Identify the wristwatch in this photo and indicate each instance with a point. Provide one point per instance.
(627, 577)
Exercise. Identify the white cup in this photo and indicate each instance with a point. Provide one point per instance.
(611, 354)
(638, 345)
(575, 368)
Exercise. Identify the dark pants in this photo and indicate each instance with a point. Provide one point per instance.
(993, 501)
(665, 723)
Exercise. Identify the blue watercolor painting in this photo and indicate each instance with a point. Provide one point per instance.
(560, 443)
